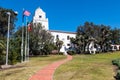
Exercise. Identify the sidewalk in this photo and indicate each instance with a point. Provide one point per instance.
(47, 72)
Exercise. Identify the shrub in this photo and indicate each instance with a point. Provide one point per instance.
(2, 59)
(118, 75)
(54, 52)
(71, 52)
(60, 53)
(13, 55)
(115, 62)
(48, 48)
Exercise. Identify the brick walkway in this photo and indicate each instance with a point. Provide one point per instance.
(47, 72)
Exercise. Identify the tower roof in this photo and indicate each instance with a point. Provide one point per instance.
(39, 10)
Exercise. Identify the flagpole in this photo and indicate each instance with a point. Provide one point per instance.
(22, 42)
(26, 13)
(22, 36)
(26, 41)
(28, 45)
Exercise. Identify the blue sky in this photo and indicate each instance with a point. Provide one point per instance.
(67, 15)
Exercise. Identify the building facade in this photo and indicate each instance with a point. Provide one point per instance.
(40, 17)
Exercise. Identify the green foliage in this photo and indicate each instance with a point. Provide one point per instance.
(2, 52)
(71, 52)
(60, 53)
(102, 35)
(2, 44)
(41, 41)
(117, 63)
(115, 36)
(4, 29)
(48, 48)
(13, 55)
(4, 21)
(59, 44)
(14, 50)
(2, 59)
(117, 77)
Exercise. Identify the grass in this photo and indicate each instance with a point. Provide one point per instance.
(28, 68)
(88, 67)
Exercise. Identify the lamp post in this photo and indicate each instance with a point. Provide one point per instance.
(8, 33)
(9, 14)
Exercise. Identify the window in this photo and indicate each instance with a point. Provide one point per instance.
(40, 16)
(68, 44)
(68, 37)
(57, 36)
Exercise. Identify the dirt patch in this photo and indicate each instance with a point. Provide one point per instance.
(115, 68)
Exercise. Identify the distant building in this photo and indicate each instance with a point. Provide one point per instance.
(40, 17)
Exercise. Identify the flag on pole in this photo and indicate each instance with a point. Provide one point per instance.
(26, 13)
(29, 27)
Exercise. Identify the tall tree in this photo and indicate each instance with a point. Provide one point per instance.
(115, 36)
(80, 40)
(105, 38)
(59, 44)
(39, 39)
(4, 21)
(103, 35)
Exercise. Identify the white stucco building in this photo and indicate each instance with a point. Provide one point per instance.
(40, 17)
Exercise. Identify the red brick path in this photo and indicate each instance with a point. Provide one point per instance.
(47, 72)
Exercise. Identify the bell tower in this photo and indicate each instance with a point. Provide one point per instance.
(40, 17)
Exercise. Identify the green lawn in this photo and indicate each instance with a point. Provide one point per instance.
(88, 67)
(82, 67)
(29, 68)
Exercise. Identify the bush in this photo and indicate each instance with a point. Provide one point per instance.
(118, 75)
(116, 62)
(54, 52)
(2, 59)
(60, 53)
(71, 52)
(13, 55)
(48, 48)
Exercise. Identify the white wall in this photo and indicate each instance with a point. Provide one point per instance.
(63, 37)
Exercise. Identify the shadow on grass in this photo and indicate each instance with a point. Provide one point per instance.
(39, 56)
(3, 75)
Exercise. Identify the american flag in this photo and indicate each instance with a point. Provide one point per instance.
(26, 13)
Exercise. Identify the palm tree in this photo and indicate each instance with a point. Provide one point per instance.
(59, 44)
